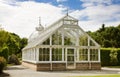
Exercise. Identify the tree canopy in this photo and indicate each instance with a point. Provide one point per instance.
(11, 43)
(107, 36)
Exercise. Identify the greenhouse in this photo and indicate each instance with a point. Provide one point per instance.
(61, 46)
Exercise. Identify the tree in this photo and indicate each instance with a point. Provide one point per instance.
(107, 36)
(3, 38)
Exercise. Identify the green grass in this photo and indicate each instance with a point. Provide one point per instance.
(117, 75)
(10, 64)
(113, 66)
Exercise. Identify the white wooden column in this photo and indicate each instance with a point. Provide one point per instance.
(63, 45)
(78, 55)
(88, 55)
(99, 55)
(88, 50)
(34, 53)
(63, 54)
(62, 38)
(50, 56)
(37, 54)
(50, 48)
(50, 40)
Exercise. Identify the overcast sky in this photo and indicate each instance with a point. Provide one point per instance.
(21, 16)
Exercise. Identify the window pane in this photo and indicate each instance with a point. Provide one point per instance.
(93, 54)
(57, 39)
(83, 40)
(56, 54)
(92, 43)
(83, 54)
(44, 54)
(47, 42)
(70, 36)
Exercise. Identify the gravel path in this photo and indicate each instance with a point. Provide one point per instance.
(20, 71)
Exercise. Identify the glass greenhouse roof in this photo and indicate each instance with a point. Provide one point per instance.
(67, 25)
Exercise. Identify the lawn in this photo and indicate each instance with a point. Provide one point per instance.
(116, 75)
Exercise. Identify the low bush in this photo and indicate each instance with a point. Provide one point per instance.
(3, 64)
(13, 60)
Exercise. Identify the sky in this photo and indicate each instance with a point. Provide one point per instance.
(22, 16)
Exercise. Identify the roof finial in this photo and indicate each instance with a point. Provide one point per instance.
(39, 21)
(67, 11)
(40, 28)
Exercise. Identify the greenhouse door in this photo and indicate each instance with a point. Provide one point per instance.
(70, 58)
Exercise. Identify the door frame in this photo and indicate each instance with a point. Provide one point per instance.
(66, 54)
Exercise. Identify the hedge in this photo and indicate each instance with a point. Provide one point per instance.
(105, 58)
(110, 56)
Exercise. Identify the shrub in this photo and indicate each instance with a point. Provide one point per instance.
(2, 64)
(113, 57)
(105, 57)
(13, 60)
(4, 53)
(118, 57)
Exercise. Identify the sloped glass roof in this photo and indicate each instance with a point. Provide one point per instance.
(71, 30)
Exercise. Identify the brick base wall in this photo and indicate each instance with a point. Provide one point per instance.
(61, 66)
(58, 66)
(29, 65)
(43, 67)
(88, 66)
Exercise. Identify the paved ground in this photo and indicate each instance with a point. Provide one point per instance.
(20, 71)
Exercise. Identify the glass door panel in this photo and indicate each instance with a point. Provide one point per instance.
(70, 58)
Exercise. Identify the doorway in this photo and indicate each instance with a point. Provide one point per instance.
(70, 56)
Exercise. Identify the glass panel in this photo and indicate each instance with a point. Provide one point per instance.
(70, 37)
(70, 54)
(83, 40)
(56, 54)
(57, 38)
(47, 42)
(44, 54)
(83, 54)
(70, 58)
(92, 43)
(67, 41)
(93, 54)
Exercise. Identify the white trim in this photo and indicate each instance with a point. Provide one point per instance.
(62, 54)
(50, 55)
(99, 55)
(50, 40)
(31, 61)
(37, 54)
(88, 55)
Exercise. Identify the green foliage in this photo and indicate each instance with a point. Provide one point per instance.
(109, 75)
(3, 38)
(110, 56)
(118, 57)
(107, 36)
(105, 57)
(2, 64)
(13, 60)
(11, 43)
(113, 57)
(4, 52)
